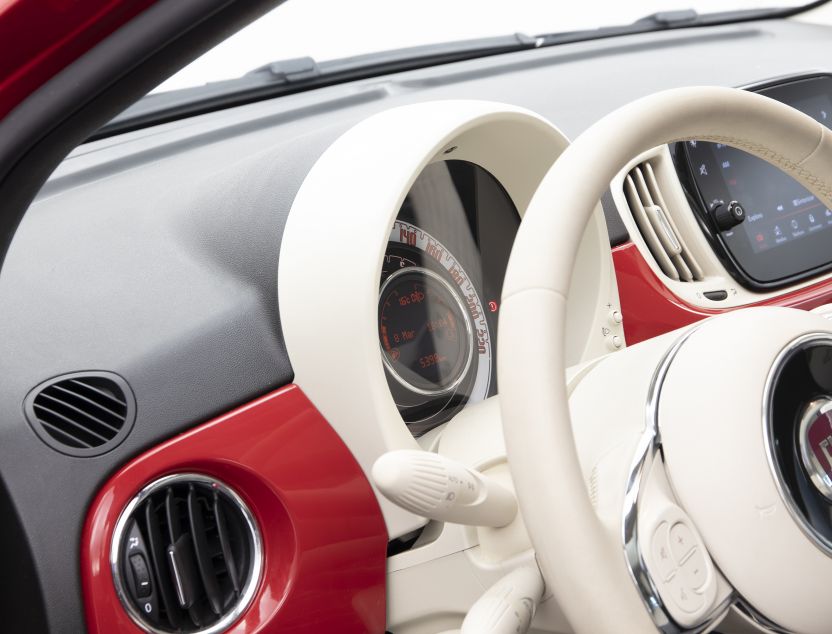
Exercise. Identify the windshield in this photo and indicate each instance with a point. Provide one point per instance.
(337, 29)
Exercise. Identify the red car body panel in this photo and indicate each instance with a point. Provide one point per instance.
(324, 537)
(41, 38)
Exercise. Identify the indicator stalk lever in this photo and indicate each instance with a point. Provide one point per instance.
(443, 489)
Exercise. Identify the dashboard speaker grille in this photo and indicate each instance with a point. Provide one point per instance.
(82, 414)
(655, 223)
(186, 555)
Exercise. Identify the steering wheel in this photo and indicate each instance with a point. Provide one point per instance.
(678, 447)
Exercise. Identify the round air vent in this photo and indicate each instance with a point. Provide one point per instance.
(82, 414)
(186, 555)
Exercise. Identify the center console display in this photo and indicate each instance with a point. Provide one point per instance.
(787, 231)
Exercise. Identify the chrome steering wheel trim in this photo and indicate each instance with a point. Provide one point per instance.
(648, 455)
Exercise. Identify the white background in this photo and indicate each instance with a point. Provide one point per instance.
(330, 29)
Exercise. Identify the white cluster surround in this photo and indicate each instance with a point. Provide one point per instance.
(337, 233)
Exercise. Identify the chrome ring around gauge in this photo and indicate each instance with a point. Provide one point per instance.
(404, 235)
(425, 331)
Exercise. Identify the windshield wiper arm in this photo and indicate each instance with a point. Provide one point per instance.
(680, 19)
(295, 75)
(304, 73)
(305, 69)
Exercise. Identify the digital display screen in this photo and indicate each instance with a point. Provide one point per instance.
(778, 208)
(787, 230)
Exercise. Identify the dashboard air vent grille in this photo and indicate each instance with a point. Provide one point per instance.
(655, 222)
(82, 414)
(186, 555)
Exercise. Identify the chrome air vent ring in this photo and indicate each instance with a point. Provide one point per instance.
(186, 555)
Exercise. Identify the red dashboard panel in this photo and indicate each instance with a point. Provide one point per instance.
(650, 309)
(324, 536)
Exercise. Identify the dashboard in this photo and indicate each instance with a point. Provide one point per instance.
(177, 237)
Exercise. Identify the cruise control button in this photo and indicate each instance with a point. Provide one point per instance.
(662, 558)
(683, 596)
(694, 572)
(682, 542)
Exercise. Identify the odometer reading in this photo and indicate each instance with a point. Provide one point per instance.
(425, 331)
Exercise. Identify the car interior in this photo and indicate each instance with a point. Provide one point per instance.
(522, 334)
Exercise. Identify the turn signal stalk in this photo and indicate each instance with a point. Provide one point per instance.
(442, 489)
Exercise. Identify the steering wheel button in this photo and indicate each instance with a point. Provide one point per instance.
(662, 556)
(682, 542)
(694, 572)
(685, 598)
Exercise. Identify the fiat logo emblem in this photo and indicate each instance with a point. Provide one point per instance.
(816, 444)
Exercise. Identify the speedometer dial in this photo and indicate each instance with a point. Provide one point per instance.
(434, 333)
(426, 334)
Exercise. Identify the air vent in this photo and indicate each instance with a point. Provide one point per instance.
(186, 556)
(655, 222)
(82, 414)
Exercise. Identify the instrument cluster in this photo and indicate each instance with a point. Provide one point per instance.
(440, 286)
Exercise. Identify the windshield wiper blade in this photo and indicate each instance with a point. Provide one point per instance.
(679, 19)
(304, 73)
(305, 69)
(296, 75)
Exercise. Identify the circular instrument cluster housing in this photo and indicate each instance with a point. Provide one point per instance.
(350, 201)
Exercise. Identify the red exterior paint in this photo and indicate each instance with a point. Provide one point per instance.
(650, 309)
(324, 536)
(40, 38)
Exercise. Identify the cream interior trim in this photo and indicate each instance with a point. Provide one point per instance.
(585, 572)
(336, 235)
(717, 276)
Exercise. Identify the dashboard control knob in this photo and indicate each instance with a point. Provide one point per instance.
(728, 216)
(716, 296)
(443, 489)
(614, 342)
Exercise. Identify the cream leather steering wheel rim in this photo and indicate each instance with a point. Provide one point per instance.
(583, 569)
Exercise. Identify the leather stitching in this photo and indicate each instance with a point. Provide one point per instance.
(814, 182)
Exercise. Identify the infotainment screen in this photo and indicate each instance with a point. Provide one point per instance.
(787, 231)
